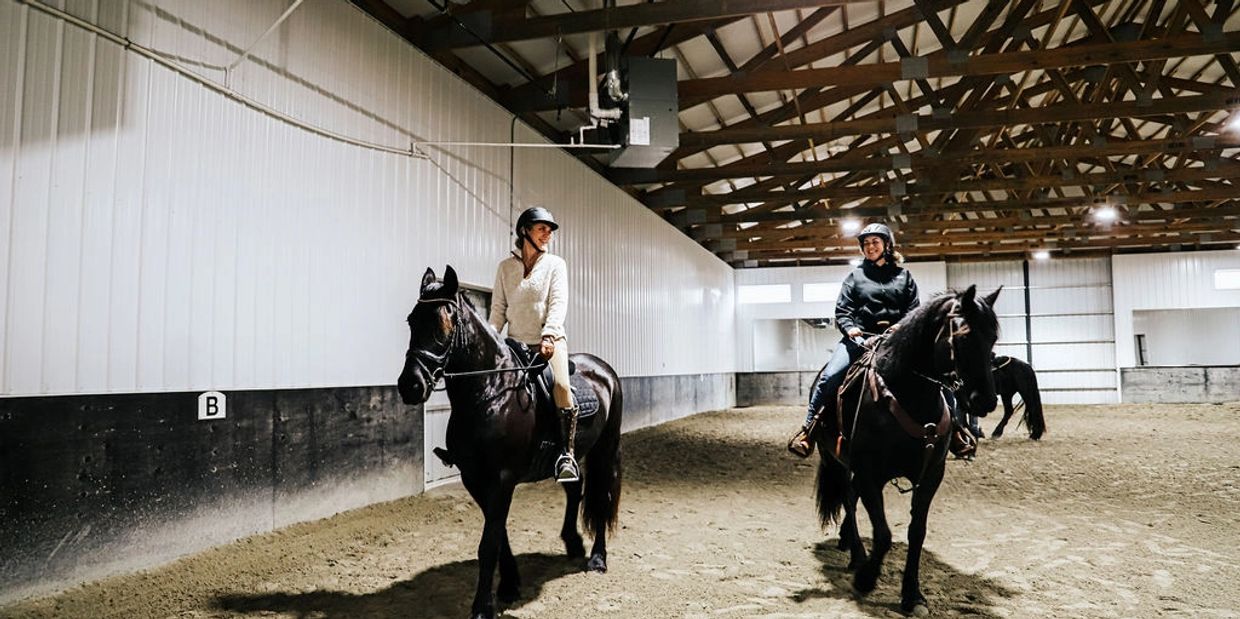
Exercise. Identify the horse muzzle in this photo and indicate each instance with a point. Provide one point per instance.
(981, 404)
(412, 387)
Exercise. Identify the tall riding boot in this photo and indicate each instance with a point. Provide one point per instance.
(566, 469)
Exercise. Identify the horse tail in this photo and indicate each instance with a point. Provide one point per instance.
(600, 506)
(1027, 386)
(830, 490)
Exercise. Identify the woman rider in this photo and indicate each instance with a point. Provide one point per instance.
(531, 297)
(873, 298)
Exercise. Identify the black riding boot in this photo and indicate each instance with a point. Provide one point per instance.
(566, 469)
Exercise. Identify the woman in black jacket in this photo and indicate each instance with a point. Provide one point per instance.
(873, 298)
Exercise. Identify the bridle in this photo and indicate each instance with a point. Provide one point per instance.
(426, 360)
(952, 327)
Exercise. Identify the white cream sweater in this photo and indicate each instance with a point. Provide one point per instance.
(531, 306)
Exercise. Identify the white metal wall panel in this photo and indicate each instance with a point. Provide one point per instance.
(1166, 281)
(161, 236)
(1073, 331)
(988, 276)
(1070, 322)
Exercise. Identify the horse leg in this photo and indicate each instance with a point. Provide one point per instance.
(598, 553)
(495, 506)
(509, 589)
(572, 539)
(871, 494)
(910, 591)
(850, 537)
(1007, 414)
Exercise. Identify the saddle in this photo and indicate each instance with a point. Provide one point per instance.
(543, 381)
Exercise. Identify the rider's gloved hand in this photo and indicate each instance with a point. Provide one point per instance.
(546, 347)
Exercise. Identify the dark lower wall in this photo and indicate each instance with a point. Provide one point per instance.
(97, 485)
(652, 400)
(1180, 384)
(100, 484)
(765, 388)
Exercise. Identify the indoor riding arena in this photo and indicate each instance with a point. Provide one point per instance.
(553, 309)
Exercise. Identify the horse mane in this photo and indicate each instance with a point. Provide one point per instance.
(918, 328)
(921, 326)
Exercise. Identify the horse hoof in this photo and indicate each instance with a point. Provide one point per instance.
(597, 563)
(918, 608)
(864, 582)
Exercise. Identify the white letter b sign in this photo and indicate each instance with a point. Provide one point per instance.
(210, 405)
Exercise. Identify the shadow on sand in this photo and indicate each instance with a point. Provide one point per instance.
(947, 590)
(441, 591)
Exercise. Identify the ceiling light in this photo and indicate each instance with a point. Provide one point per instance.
(1106, 213)
(1233, 123)
(850, 226)
(1041, 254)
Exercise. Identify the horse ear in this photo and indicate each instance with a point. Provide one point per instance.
(968, 295)
(449, 281)
(992, 297)
(428, 278)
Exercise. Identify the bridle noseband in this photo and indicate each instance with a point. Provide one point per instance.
(425, 360)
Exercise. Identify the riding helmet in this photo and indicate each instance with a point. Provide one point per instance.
(879, 230)
(534, 215)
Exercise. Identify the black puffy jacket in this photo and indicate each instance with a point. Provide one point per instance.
(872, 294)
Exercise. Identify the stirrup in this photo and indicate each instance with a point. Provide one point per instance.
(801, 446)
(566, 469)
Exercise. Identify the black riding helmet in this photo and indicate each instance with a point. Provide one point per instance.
(881, 231)
(531, 216)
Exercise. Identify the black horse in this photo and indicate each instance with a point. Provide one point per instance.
(496, 437)
(1013, 376)
(892, 421)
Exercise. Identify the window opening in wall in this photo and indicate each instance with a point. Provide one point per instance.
(480, 298)
(1141, 352)
(764, 293)
(1227, 279)
(820, 292)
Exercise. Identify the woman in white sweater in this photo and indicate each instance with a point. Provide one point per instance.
(531, 297)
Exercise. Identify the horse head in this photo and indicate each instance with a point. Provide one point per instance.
(964, 343)
(433, 329)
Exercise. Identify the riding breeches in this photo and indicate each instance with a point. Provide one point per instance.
(822, 395)
(562, 393)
